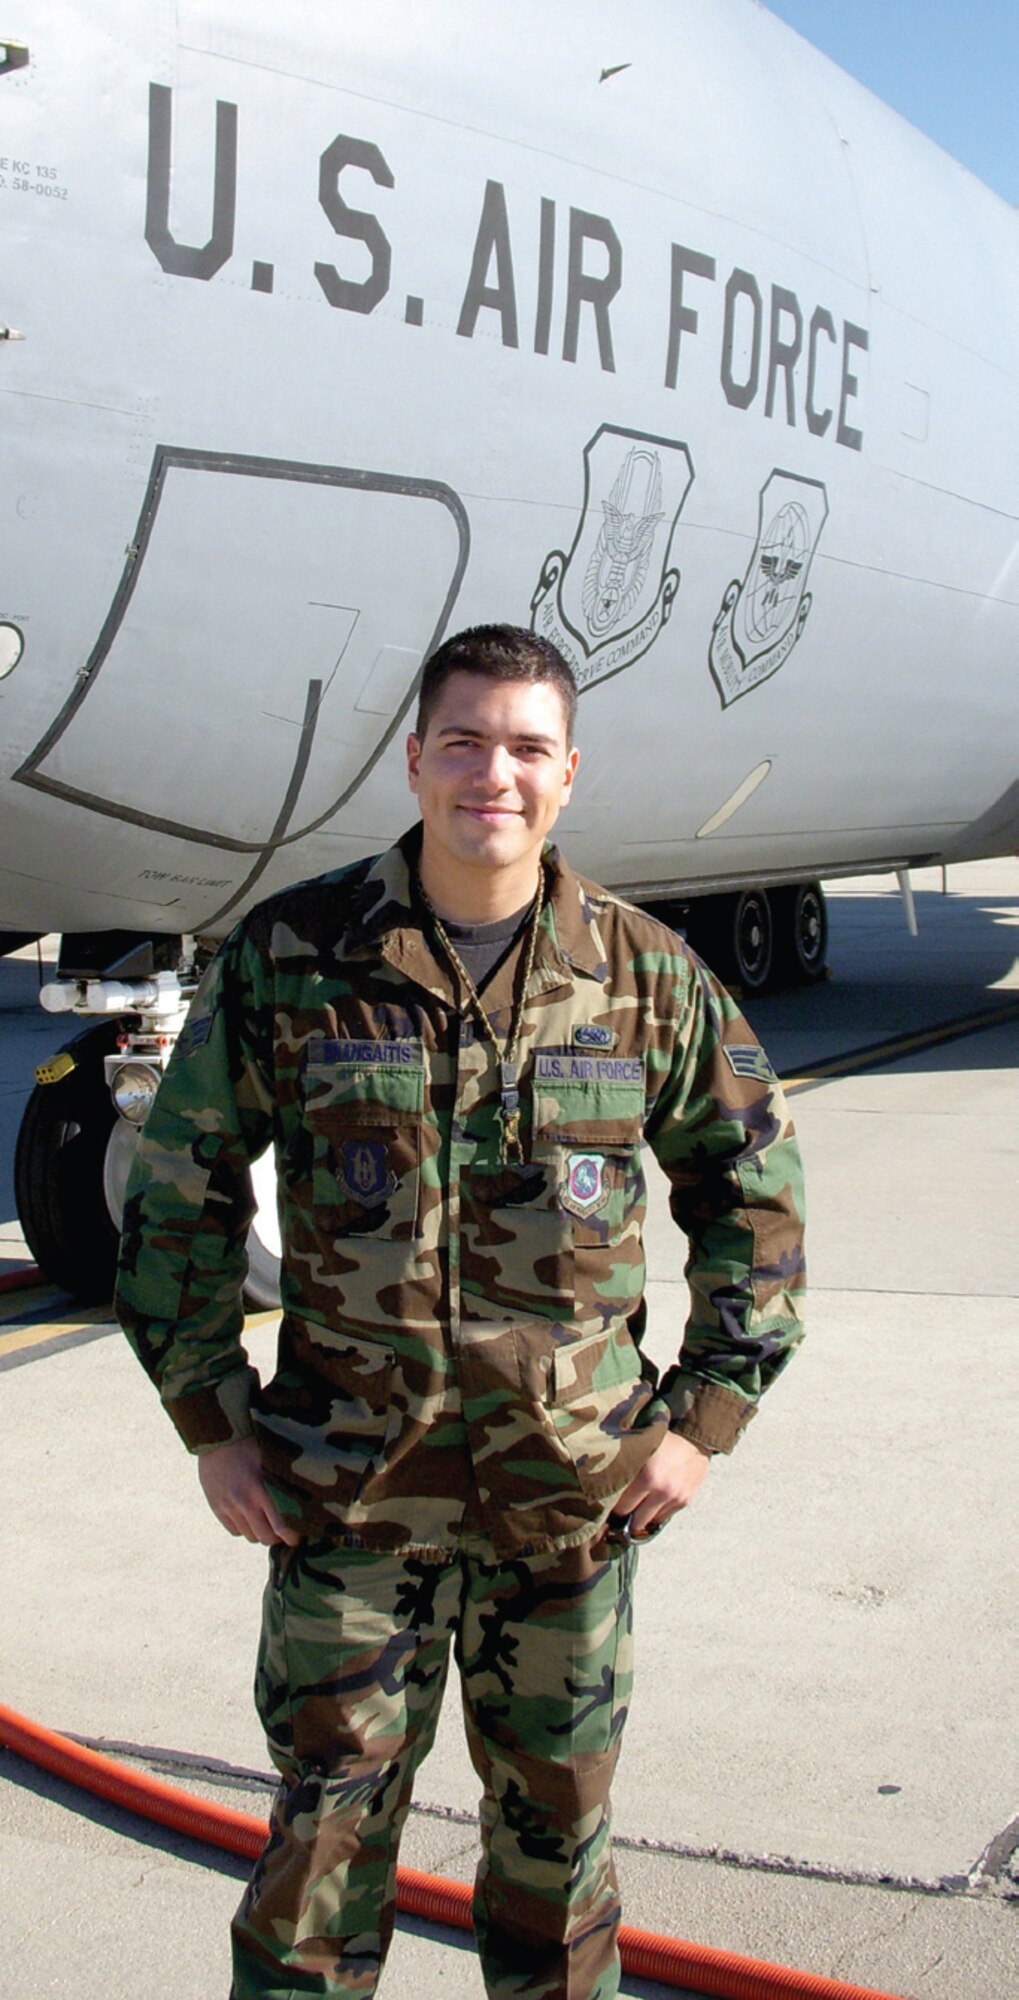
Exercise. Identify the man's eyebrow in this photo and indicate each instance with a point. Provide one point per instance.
(517, 736)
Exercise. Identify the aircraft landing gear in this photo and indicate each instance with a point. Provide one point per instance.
(71, 1164)
(59, 1166)
(735, 935)
(763, 937)
(801, 933)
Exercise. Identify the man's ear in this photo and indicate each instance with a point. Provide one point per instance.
(572, 760)
(413, 760)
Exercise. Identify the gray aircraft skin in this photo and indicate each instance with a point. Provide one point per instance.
(330, 331)
(343, 329)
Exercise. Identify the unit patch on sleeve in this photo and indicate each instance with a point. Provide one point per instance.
(746, 1059)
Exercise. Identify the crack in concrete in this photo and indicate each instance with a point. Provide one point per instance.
(994, 1860)
(841, 1963)
(926, 1970)
(985, 1877)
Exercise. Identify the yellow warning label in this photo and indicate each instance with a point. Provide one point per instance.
(53, 1072)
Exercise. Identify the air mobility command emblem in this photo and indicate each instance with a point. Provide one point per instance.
(760, 619)
(605, 602)
(584, 1190)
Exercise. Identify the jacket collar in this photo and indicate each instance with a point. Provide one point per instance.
(386, 922)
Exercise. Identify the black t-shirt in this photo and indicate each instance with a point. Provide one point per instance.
(484, 947)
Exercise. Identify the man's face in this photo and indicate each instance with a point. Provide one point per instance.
(492, 773)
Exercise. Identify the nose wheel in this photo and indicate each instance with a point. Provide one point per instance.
(71, 1166)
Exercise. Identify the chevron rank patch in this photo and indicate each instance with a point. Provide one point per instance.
(746, 1059)
(193, 1035)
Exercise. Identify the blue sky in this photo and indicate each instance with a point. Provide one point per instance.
(951, 69)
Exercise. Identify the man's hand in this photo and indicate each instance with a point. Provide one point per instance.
(667, 1481)
(231, 1479)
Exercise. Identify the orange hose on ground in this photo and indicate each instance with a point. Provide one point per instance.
(19, 1281)
(673, 1961)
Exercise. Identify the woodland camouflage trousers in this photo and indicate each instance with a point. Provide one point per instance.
(351, 1670)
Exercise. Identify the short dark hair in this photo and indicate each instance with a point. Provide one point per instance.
(498, 653)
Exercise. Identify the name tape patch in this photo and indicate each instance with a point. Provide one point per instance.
(404, 1054)
(562, 1066)
(746, 1059)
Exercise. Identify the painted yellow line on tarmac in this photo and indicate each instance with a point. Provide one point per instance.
(12, 1343)
(900, 1045)
(24, 1336)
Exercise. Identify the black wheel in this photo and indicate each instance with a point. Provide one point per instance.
(59, 1166)
(734, 935)
(71, 1166)
(801, 933)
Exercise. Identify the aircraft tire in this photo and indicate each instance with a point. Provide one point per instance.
(735, 934)
(264, 1247)
(801, 934)
(58, 1172)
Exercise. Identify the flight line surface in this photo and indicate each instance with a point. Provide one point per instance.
(820, 1764)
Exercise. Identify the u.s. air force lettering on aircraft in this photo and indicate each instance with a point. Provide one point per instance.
(760, 619)
(605, 602)
(777, 353)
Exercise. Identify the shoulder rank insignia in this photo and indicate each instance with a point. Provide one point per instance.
(746, 1059)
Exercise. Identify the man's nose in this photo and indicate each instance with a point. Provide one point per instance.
(495, 767)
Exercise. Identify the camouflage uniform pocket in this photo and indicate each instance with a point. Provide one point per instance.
(325, 1418)
(365, 1126)
(596, 1393)
(589, 1135)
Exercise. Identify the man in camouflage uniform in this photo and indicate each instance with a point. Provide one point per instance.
(457, 1049)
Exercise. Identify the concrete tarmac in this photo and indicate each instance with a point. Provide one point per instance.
(820, 1765)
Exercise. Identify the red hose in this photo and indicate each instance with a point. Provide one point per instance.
(19, 1281)
(671, 1960)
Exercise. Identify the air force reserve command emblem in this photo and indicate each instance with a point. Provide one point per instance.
(363, 1172)
(585, 1187)
(605, 602)
(760, 619)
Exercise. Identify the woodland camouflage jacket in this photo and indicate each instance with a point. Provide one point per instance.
(459, 1355)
